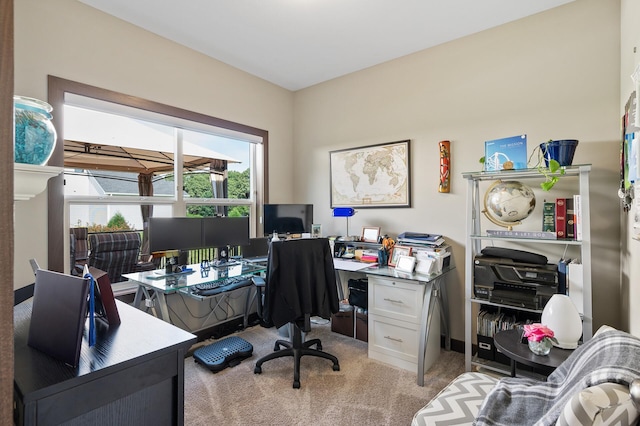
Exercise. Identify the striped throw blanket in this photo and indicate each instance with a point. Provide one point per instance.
(610, 356)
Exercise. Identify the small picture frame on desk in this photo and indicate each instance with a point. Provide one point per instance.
(397, 252)
(316, 230)
(370, 234)
(405, 263)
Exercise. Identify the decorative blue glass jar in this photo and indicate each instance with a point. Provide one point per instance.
(35, 136)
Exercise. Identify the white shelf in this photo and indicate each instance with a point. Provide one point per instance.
(476, 237)
(30, 180)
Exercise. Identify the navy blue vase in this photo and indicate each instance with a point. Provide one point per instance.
(561, 150)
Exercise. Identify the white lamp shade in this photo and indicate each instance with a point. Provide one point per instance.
(562, 317)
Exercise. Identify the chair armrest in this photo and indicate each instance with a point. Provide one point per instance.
(145, 266)
(258, 281)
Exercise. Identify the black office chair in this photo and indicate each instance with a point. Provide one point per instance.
(300, 284)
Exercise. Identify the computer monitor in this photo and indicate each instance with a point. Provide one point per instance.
(257, 249)
(287, 218)
(175, 233)
(225, 231)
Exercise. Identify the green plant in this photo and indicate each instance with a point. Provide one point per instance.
(551, 174)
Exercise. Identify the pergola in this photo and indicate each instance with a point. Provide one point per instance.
(118, 143)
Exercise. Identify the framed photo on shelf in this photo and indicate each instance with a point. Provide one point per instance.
(316, 230)
(371, 176)
(397, 252)
(370, 234)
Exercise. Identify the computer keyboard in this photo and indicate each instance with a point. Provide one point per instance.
(216, 287)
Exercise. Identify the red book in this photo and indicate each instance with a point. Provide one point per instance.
(561, 217)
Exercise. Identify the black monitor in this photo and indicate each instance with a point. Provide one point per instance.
(287, 218)
(174, 233)
(225, 231)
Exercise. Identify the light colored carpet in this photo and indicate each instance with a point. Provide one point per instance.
(364, 391)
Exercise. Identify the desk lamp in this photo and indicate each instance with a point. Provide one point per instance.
(344, 212)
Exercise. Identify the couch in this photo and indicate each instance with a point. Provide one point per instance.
(590, 387)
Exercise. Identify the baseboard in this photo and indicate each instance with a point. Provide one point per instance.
(456, 345)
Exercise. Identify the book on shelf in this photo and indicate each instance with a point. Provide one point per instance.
(548, 216)
(570, 230)
(577, 209)
(538, 235)
(562, 275)
(561, 217)
(511, 150)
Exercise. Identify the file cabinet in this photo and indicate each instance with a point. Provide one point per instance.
(395, 317)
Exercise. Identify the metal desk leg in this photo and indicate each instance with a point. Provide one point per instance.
(164, 308)
(424, 330)
(441, 298)
(433, 294)
(138, 297)
(339, 285)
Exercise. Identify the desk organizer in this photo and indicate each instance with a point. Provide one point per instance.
(224, 353)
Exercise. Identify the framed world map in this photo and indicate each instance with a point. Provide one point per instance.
(371, 176)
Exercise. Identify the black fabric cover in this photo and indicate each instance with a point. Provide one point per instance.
(301, 281)
(517, 255)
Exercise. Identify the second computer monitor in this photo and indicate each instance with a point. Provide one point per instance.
(225, 231)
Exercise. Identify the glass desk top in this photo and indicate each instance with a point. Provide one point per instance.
(158, 279)
(390, 272)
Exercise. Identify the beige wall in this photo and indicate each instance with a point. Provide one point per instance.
(70, 40)
(630, 248)
(553, 75)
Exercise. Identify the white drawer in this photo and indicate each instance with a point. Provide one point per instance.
(398, 339)
(394, 298)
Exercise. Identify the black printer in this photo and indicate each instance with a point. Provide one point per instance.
(514, 277)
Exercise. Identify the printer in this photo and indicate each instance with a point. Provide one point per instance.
(507, 279)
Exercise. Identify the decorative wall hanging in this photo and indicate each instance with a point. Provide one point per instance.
(371, 176)
(445, 165)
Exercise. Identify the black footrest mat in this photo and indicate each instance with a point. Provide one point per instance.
(224, 353)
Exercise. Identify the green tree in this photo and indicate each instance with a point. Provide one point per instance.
(238, 184)
(118, 222)
(199, 186)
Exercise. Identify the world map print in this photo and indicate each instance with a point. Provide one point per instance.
(373, 176)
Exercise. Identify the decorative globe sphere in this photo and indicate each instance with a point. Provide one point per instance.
(507, 203)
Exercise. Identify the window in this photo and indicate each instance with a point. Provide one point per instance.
(125, 159)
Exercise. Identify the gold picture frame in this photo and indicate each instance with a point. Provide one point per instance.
(370, 234)
(397, 252)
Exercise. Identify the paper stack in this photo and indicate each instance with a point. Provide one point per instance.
(416, 238)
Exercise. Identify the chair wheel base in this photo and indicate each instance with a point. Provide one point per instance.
(296, 385)
(336, 367)
(257, 370)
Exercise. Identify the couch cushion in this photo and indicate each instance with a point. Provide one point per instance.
(458, 403)
(604, 404)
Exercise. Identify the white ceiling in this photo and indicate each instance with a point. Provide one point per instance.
(299, 43)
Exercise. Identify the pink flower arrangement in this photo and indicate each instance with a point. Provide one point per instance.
(537, 332)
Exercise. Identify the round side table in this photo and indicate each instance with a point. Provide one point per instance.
(509, 342)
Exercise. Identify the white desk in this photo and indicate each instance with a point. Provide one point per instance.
(393, 311)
